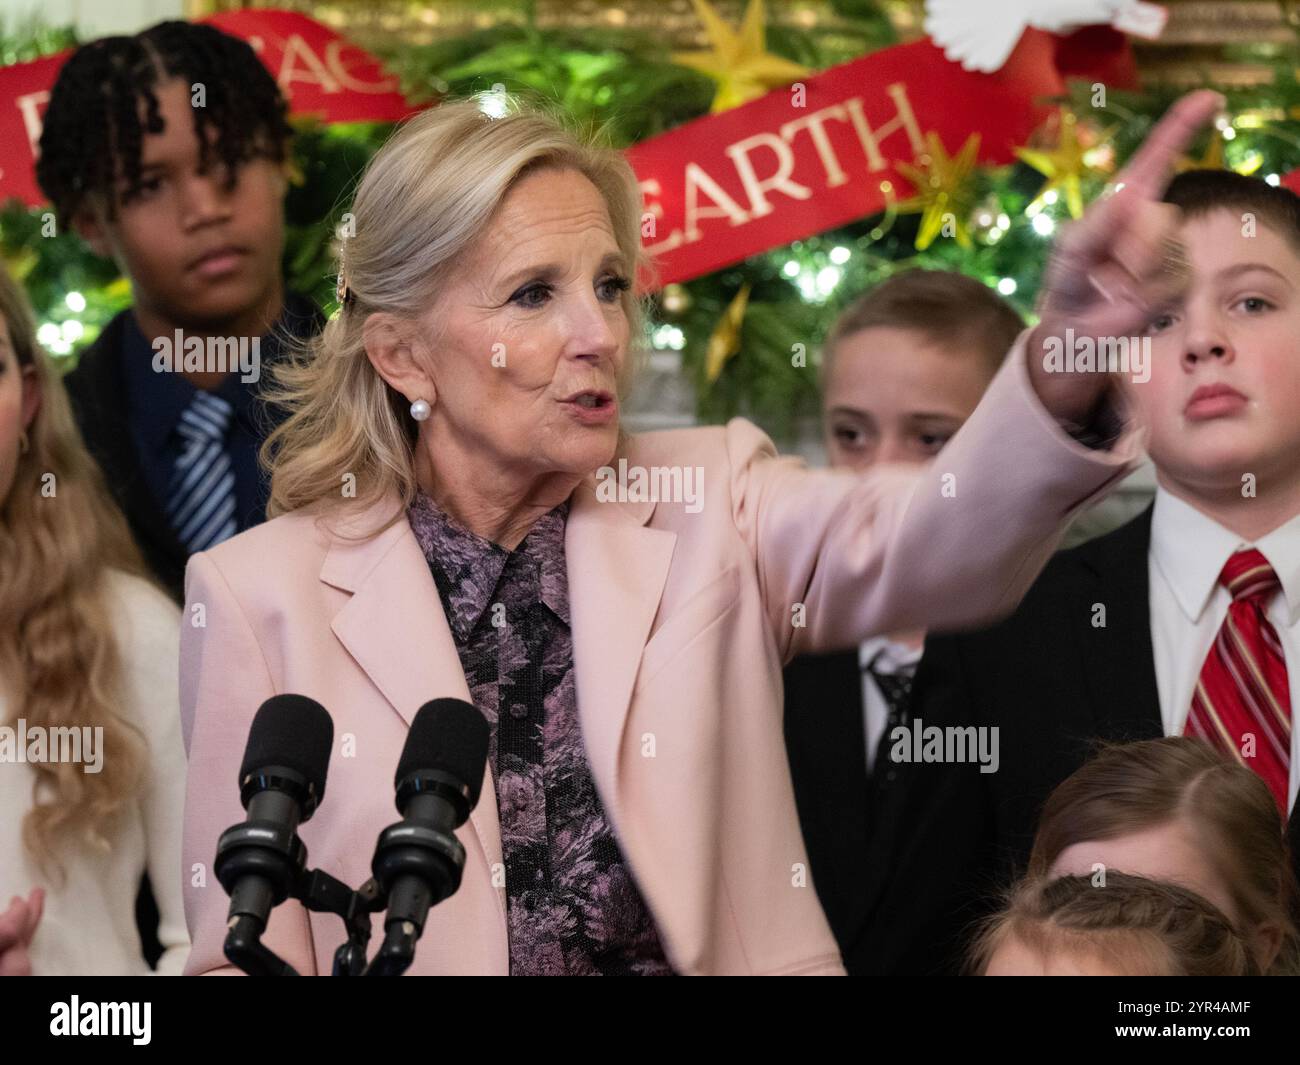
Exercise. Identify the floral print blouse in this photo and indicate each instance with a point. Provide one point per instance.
(572, 905)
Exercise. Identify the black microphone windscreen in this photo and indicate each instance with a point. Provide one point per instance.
(449, 736)
(291, 731)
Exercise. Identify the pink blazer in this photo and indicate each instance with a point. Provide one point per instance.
(681, 624)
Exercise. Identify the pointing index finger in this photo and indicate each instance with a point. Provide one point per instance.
(1147, 172)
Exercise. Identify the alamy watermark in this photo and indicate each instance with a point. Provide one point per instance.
(77, 1018)
(62, 743)
(193, 354)
(651, 484)
(1071, 354)
(919, 742)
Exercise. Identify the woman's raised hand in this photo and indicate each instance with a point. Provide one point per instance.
(1110, 270)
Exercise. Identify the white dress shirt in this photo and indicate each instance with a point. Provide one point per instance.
(1188, 605)
(890, 658)
(88, 926)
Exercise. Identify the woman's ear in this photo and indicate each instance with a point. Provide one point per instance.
(32, 396)
(391, 348)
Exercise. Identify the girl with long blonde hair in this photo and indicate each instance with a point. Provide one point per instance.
(92, 770)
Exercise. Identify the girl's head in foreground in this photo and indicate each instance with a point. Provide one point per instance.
(1175, 810)
(1124, 926)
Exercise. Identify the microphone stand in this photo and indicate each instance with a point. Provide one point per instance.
(396, 952)
(319, 892)
(245, 949)
(416, 849)
(322, 893)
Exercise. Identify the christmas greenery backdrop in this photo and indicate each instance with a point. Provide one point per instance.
(629, 86)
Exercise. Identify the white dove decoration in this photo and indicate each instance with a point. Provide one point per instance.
(980, 34)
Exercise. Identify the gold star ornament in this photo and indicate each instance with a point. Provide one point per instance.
(739, 62)
(1215, 158)
(725, 339)
(1066, 165)
(944, 194)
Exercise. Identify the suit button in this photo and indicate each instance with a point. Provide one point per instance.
(518, 710)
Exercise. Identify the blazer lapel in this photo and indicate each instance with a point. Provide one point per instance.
(395, 629)
(97, 389)
(1118, 658)
(617, 569)
(825, 739)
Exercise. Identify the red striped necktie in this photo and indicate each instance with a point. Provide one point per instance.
(1242, 702)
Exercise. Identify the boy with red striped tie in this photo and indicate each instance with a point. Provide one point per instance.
(1185, 621)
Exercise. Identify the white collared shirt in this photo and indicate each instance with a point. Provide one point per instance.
(1188, 605)
(890, 657)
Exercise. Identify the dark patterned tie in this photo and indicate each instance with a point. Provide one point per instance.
(897, 690)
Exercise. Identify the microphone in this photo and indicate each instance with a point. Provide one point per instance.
(281, 783)
(418, 861)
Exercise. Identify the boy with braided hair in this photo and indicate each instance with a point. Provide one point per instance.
(166, 151)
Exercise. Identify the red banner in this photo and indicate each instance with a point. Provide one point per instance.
(24, 92)
(794, 163)
(319, 72)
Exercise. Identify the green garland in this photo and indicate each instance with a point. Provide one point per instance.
(624, 87)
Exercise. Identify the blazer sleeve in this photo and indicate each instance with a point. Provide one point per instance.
(224, 678)
(842, 556)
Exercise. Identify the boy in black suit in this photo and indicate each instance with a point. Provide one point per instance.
(903, 367)
(166, 151)
(1186, 621)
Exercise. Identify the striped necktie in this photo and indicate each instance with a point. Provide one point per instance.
(201, 496)
(1242, 702)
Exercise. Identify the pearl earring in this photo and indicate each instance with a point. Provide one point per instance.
(420, 409)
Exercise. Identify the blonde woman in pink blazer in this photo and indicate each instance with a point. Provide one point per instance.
(456, 513)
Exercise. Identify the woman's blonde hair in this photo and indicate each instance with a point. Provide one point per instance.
(1133, 925)
(59, 660)
(1129, 787)
(425, 197)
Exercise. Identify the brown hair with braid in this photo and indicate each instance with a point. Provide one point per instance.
(59, 660)
(1131, 925)
(1227, 808)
